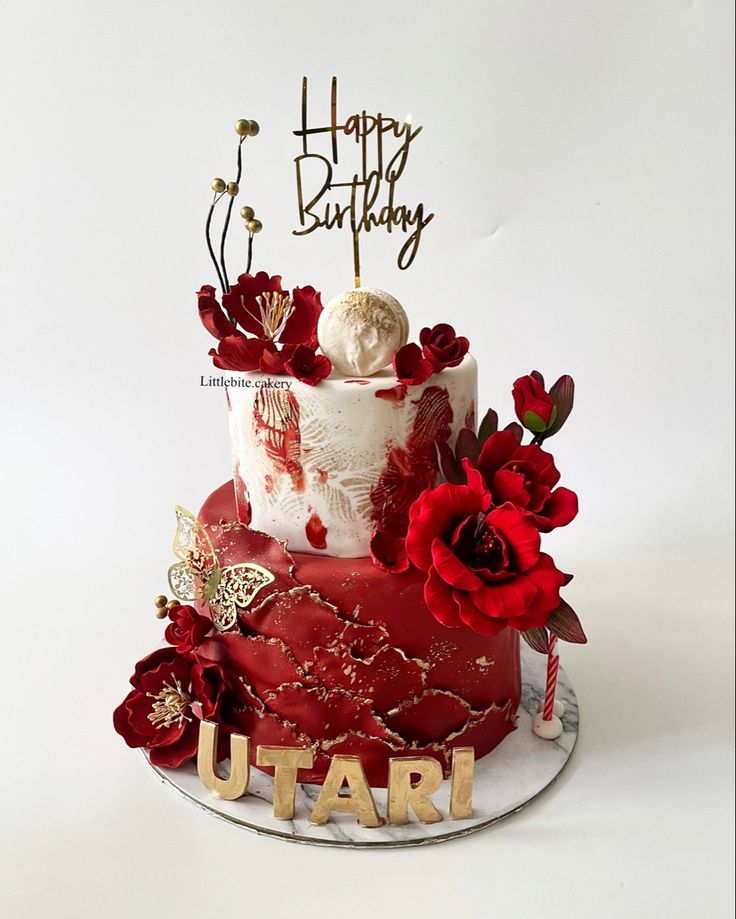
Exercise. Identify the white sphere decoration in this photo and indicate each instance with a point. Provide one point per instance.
(361, 330)
(558, 708)
(547, 730)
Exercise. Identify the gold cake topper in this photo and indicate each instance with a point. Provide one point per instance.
(366, 208)
(199, 576)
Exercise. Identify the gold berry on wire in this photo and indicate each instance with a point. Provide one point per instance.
(232, 189)
(160, 601)
(247, 213)
(253, 128)
(253, 226)
(218, 186)
(242, 127)
(171, 604)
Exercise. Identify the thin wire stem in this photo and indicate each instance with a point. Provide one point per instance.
(229, 212)
(207, 227)
(250, 253)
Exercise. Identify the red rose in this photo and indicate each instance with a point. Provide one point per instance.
(483, 564)
(534, 406)
(307, 366)
(188, 629)
(273, 327)
(442, 347)
(169, 697)
(410, 365)
(526, 477)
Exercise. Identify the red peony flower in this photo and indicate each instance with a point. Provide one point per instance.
(525, 476)
(483, 564)
(534, 406)
(169, 697)
(188, 629)
(442, 347)
(272, 322)
(410, 365)
(307, 366)
(388, 552)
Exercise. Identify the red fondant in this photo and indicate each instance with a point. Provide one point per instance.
(395, 394)
(354, 662)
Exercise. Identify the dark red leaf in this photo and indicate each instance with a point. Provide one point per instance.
(467, 446)
(563, 396)
(488, 426)
(538, 377)
(451, 468)
(566, 625)
(537, 639)
(516, 429)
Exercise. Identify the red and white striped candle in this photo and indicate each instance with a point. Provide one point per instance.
(553, 665)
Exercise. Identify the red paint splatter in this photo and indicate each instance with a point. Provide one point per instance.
(322, 476)
(413, 467)
(276, 424)
(359, 382)
(395, 394)
(470, 417)
(316, 532)
(268, 484)
(242, 502)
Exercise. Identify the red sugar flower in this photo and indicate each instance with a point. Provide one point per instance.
(307, 366)
(188, 629)
(483, 564)
(442, 347)
(526, 477)
(410, 365)
(170, 694)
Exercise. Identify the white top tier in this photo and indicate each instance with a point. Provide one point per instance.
(322, 467)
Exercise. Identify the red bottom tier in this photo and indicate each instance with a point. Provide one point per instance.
(340, 656)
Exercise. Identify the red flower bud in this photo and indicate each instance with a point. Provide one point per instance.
(534, 406)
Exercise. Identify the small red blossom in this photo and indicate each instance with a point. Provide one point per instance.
(308, 366)
(188, 629)
(442, 347)
(483, 563)
(169, 697)
(410, 365)
(525, 476)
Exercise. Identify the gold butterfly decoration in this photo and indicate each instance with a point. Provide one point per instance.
(198, 575)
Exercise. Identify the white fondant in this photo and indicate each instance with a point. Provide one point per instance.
(547, 730)
(336, 450)
(558, 708)
(360, 330)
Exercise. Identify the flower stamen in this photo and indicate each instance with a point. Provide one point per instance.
(170, 705)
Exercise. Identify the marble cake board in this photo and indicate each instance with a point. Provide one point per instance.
(506, 779)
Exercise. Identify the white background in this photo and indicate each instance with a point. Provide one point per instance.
(577, 155)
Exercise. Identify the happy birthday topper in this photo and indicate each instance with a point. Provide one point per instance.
(368, 196)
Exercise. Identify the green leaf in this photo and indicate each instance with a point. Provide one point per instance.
(565, 624)
(532, 422)
(467, 445)
(563, 396)
(488, 426)
(537, 639)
